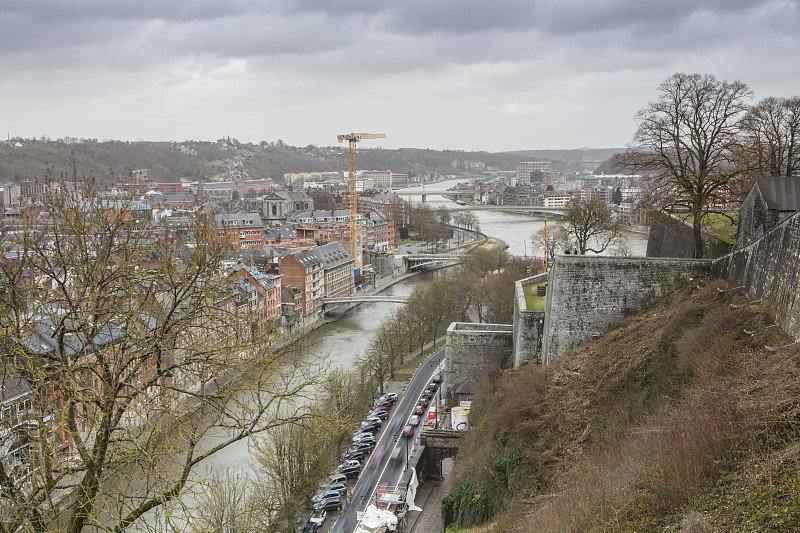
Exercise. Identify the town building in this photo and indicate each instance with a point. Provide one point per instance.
(306, 272)
(277, 205)
(382, 179)
(338, 266)
(534, 172)
(240, 230)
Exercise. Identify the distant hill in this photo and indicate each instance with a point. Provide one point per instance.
(113, 161)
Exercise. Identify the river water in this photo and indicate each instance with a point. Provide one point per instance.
(341, 341)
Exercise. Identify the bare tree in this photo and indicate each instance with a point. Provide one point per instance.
(772, 136)
(686, 145)
(231, 502)
(292, 461)
(591, 226)
(129, 348)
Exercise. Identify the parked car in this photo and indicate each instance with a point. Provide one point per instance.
(418, 410)
(370, 438)
(310, 527)
(383, 414)
(325, 495)
(372, 420)
(341, 488)
(331, 505)
(414, 420)
(350, 472)
(336, 477)
(352, 462)
(408, 431)
(318, 516)
(371, 429)
(354, 455)
(389, 397)
(364, 435)
(384, 404)
(365, 447)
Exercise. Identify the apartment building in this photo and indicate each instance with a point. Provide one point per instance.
(534, 172)
(306, 272)
(240, 230)
(338, 266)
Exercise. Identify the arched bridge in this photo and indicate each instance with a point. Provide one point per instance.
(437, 444)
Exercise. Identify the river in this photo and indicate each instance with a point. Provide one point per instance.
(342, 340)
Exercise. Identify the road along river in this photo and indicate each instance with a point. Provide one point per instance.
(342, 340)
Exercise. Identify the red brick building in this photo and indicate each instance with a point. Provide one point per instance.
(240, 230)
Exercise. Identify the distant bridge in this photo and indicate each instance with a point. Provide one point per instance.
(460, 193)
(526, 209)
(414, 261)
(367, 298)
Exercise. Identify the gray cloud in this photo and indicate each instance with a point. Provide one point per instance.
(470, 64)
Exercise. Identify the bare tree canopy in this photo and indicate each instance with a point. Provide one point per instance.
(124, 348)
(686, 145)
(772, 136)
(591, 226)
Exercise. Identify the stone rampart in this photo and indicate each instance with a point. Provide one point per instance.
(587, 295)
(770, 269)
(472, 350)
(671, 237)
(528, 325)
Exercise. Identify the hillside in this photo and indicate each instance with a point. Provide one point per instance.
(673, 421)
(112, 161)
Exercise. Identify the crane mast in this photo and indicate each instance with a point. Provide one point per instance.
(352, 139)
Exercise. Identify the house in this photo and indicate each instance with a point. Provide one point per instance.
(338, 266)
(268, 289)
(305, 271)
(240, 230)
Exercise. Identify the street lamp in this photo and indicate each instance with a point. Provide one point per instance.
(407, 439)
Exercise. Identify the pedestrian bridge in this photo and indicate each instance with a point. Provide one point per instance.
(415, 261)
(367, 298)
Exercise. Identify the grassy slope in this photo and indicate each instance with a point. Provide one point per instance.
(673, 421)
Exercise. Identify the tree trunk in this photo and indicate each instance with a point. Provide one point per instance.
(698, 236)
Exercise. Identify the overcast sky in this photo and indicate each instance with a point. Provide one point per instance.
(474, 75)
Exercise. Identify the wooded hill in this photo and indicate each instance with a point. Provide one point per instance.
(113, 161)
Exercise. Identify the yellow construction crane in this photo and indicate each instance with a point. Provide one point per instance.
(138, 173)
(353, 138)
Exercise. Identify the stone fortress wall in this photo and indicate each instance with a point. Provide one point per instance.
(528, 325)
(472, 350)
(586, 295)
(769, 268)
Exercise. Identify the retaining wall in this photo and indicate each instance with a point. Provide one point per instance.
(528, 325)
(472, 350)
(770, 269)
(587, 295)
